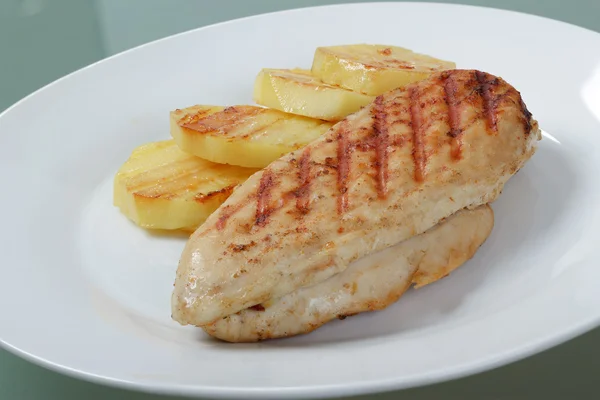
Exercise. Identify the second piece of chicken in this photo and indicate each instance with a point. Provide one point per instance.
(371, 283)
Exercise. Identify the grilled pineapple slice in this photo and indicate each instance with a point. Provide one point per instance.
(373, 69)
(248, 136)
(298, 92)
(161, 187)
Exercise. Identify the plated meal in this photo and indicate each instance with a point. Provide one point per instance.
(344, 186)
(269, 187)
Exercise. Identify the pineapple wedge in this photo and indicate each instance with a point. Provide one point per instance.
(247, 136)
(373, 69)
(298, 92)
(161, 187)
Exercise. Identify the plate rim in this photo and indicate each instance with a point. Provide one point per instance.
(315, 391)
(527, 349)
(287, 11)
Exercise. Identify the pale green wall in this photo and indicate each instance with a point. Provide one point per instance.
(59, 36)
(40, 41)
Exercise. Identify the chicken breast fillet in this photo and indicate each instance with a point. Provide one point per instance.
(386, 173)
(371, 283)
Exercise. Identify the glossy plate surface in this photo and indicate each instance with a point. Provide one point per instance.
(85, 292)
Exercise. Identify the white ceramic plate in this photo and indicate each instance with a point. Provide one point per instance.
(85, 292)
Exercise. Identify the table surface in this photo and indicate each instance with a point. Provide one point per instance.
(42, 40)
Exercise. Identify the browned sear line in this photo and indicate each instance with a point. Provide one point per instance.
(489, 104)
(263, 209)
(192, 118)
(526, 115)
(382, 141)
(418, 152)
(343, 156)
(450, 90)
(261, 128)
(202, 197)
(222, 121)
(303, 191)
(227, 212)
(236, 248)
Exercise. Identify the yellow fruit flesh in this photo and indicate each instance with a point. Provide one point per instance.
(247, 136)
(161, 187)
(298, 92)
(373, 69)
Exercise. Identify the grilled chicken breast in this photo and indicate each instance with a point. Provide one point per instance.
(388, 172)
(371, 283)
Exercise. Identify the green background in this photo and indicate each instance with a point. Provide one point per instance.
(41, 40)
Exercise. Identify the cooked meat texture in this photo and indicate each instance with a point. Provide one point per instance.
(386, 173)
(371, 283)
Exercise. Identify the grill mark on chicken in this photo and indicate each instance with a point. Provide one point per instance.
(303, 191)
(489, 103)
(263, 209)
(381, 141)
(497, 101)
(286, 177)
(418, 152)
(236, 248)
(380, 128)
(343, 156)
(227, 212)
(455, 132)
